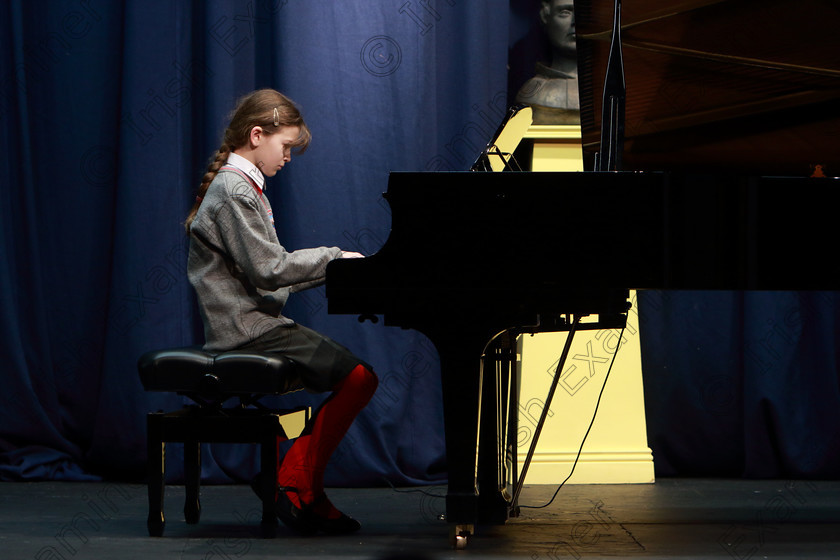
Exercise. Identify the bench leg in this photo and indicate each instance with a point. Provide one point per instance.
(269, 450)
(192, 481)
(156, 455)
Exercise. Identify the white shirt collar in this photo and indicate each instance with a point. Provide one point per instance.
(248, 168)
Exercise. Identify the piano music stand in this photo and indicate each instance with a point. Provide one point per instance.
(504, 142)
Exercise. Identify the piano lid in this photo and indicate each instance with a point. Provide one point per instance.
(719, 85)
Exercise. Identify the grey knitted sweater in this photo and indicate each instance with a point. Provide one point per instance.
(241, 273)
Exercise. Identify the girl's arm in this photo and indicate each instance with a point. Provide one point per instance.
(264, 261)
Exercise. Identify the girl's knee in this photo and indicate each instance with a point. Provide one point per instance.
(360, 380)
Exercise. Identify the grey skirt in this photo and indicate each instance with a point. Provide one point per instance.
(321, 362)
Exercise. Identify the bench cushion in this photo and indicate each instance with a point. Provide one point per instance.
(192, 370)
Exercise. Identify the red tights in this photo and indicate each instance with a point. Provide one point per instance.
(304, 464)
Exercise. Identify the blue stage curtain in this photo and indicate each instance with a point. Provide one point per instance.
(742, 384)
(110, 111)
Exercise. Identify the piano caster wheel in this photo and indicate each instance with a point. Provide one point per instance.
(459, 536)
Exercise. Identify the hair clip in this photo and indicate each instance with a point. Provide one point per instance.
(276, 117)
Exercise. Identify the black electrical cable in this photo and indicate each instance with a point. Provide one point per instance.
(591, 423)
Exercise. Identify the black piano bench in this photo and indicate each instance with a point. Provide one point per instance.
(210, 380)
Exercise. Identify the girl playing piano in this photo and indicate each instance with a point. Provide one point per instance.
(243, 276)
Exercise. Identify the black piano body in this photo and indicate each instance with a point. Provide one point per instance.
(719, 95)
(471, 255)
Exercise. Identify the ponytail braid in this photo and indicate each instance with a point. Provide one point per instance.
(212, 169)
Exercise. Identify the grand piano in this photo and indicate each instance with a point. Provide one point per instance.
(718, 175)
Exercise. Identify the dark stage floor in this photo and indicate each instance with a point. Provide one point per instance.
(674, 518)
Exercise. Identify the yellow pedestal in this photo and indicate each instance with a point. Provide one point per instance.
(556, 147)
(616, 449)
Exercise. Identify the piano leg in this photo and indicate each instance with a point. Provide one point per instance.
(461, 384)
